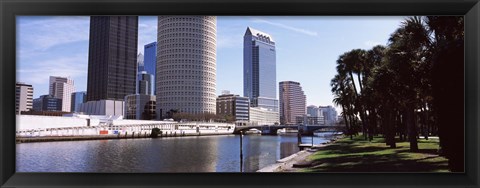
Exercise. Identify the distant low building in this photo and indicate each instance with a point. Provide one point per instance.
(140, 107)
(233, 105)
(330, 114)
(46, 113)
(47, 103)
(315, 115)
(263, 116)
(103, 107)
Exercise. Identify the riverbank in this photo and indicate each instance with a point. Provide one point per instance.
(105, 137)
(358, 155)
(296, 160)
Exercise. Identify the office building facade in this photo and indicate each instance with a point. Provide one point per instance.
(47, 103)
(259, 69)
(112, 57)
(140, 107)
(62, 88)
(263, 116)
(77, 99)
(103, 107)
(315, 115)
(145, 83)
(23, 97)
(186, 64)
(292, 103)
(330, 114)
(150, 62)
(233, 105)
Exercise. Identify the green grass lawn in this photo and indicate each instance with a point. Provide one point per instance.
(358, 155)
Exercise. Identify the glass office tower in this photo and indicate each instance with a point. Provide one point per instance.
(259, 69)
(150, 62)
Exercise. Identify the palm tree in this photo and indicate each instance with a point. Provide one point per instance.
(340, 99)
(408, 49)
(448, 57)
(354, 63)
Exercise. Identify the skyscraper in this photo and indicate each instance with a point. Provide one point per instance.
(186, 64)
(23, 97)
(292, 103)
(150, 61)
(259, 69)
(62, 88)
(112, 57)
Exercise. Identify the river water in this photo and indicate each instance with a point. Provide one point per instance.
(179, 154)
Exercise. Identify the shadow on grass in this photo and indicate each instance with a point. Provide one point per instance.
(371, 163)
(360, 156)
(342, 149)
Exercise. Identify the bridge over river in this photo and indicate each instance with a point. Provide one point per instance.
(304, 129)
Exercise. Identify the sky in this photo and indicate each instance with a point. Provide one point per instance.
(307, 48)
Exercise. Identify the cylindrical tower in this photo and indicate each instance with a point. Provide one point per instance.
(186, 64)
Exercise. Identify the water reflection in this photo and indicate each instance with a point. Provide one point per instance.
(185, 154)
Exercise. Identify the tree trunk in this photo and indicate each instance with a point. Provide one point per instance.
(411, 127)
(426, 133)
(346, 121)
(390, 128)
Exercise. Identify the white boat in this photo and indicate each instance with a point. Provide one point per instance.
(253, 131)
(286, 131)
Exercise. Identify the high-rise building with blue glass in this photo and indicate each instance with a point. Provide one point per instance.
(77, 99)
(259, 69)
(150, 61)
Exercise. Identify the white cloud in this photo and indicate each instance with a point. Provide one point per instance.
(39, 72)
(39, 35)
(295, 29)
(147, 31)
(230, 38)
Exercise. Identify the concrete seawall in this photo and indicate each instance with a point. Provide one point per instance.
(105, 137)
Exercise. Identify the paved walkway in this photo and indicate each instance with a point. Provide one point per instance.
(295, 162)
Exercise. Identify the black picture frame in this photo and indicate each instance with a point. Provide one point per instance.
(11, 8)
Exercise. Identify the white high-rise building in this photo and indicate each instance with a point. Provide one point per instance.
(186, 64)
(62, 88)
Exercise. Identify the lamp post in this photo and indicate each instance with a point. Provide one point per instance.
(312, 139)
(241, 151)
